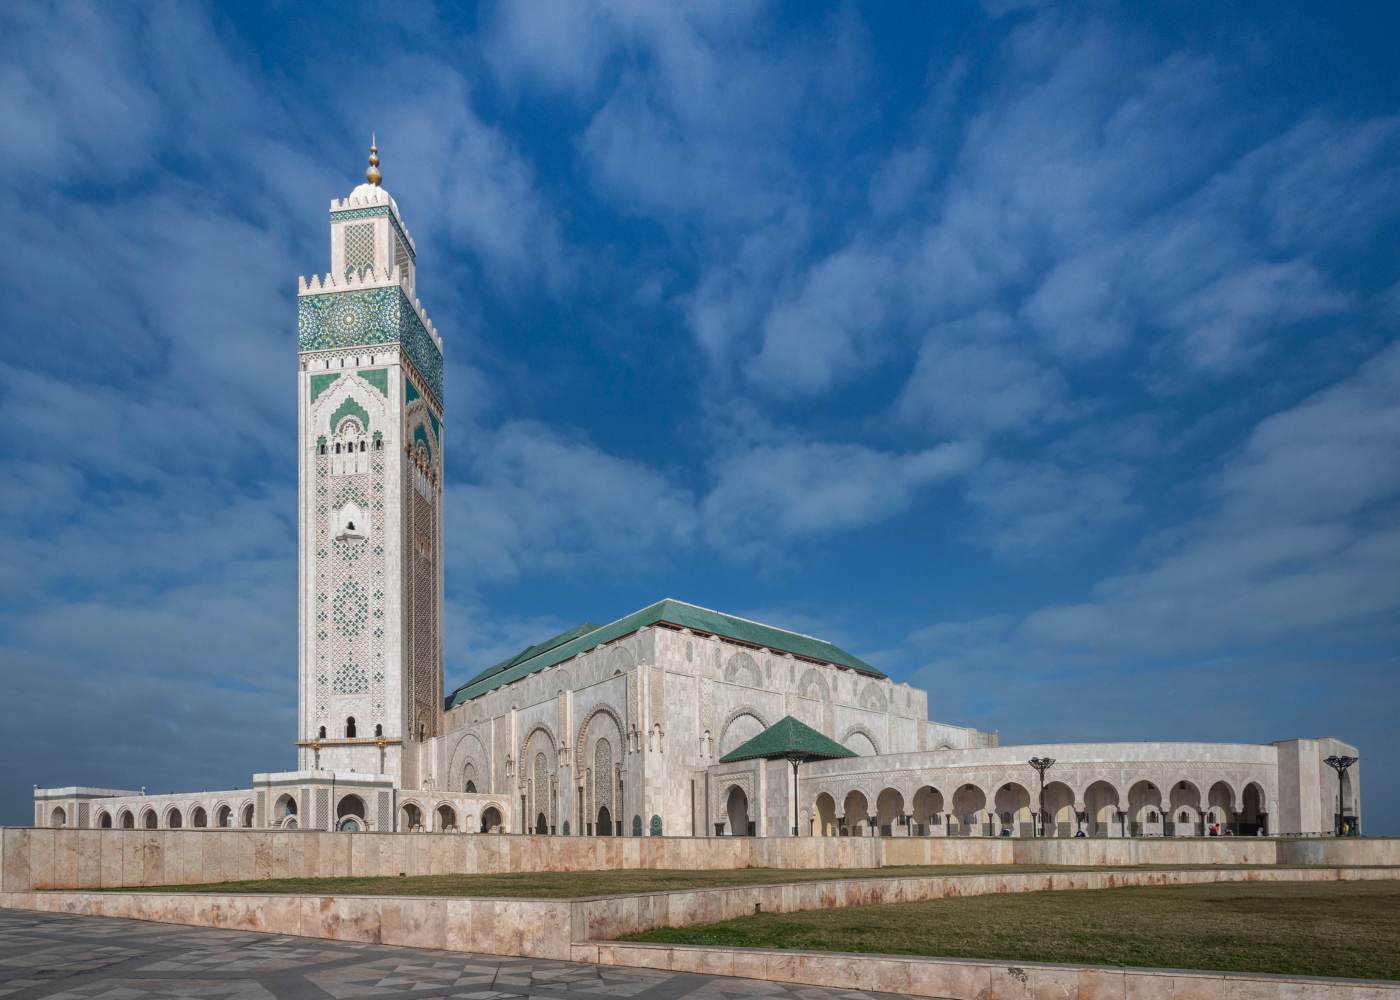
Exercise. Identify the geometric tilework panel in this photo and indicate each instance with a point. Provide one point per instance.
(375, 212)
(369, 316)
(261, 816)
(323, 809)
(385, 816)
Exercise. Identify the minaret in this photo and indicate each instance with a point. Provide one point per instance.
(370, 498)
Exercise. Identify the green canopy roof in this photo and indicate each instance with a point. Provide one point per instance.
(582, 638)
(788, 738)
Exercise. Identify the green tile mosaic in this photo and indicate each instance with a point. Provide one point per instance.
(349, 408)
(369, 316)
(320, 383)
(377, 377)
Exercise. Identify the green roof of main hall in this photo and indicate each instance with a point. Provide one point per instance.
(582, 638)
(788, 738)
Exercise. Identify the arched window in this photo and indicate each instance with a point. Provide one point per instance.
(321, 733)
(337, 447)
(471, 788)
(378, 730)
(362, 446)
(350, 728)
(422, 732)
(323, 447)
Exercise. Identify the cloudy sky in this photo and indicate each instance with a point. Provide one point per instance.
(1046, 357)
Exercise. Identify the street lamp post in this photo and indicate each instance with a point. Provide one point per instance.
(1041, 765)
(1340, 765)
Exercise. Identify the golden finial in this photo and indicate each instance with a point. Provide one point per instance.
(372, 174)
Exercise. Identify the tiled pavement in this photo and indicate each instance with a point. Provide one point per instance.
(61, 957)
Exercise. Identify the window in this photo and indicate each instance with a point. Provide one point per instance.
(350, 728)
(337, 447)
(378, 729)
(323, 447)
(362, 446)
(321, 734)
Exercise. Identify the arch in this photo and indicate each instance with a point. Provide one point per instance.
(1185, 804)
(970, 810)
(872, 698)
(742, 668)
(126, 820)
(351, 814)
(198, 817)
(467, 761)
(654, 826)
(866, 747)
(1058, 805)
(620, 660)
(283, 808)
(471, 787)
(247, 815)
(813, 685)
(104, 820)
(59, 817)
(825, 811)
(742, 725)
(929, 807)
(602, 825)
(410, 817)
(1145, 809)
(541, 824)
(173, 819)
(889, 810)
(549, 741)
(148, 819)
(446, 818)
(1253, 810)
(1220, 806)
(350, 727)
(855, 813)
(1101, 809)
(491, 821)
(581, 741)
(736, 808)
(1012, 804)
(223, 815)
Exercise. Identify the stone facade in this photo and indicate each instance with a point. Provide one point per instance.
(623, 735)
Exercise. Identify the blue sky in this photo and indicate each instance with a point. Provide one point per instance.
(1045, 356)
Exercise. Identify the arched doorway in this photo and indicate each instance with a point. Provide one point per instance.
(173, 819)
(969, 809)
(1254, 819)
(58, 817)
(350, 815)
(1185, 817)
(223, 817)
(199, 817)
(826, 815)
(248, 816)
(928, 811)
(1220, 808)
(737, 809)
(1101, 810)
(889, 812)
(410, 818)
(1013, 810)
(1145, 809)
(855, 820)
(446, 819)
(541, 823)
(284, 808)
(603, 825)
(128, 821)
(1058, 804)
(490, 820)
(104, 821)
(148, 820)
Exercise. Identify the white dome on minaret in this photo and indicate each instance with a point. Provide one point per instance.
(370, 190)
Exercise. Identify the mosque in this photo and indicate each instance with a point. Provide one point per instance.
(674, 720)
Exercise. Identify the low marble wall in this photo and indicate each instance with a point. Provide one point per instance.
(100, 859)
(609, 918)
(967, 979)
(92, 859)
(519, 927)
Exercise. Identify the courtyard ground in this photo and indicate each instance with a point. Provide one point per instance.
(1347, 929)
(574, 885)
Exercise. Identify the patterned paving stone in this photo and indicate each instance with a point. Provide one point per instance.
(63, 957)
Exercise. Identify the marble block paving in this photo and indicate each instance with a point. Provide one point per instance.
(56, 956)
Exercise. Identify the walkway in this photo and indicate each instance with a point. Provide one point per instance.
(62, 957)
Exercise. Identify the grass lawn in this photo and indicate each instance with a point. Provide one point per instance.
(570, 885)
(1349, 929)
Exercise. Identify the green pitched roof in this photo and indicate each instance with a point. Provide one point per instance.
(788, 737)
(581, 639)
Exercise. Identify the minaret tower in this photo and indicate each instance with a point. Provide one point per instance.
(369, 499)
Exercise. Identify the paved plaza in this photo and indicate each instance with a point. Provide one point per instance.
(62, 957)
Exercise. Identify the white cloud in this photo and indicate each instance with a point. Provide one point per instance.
(808, 490)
